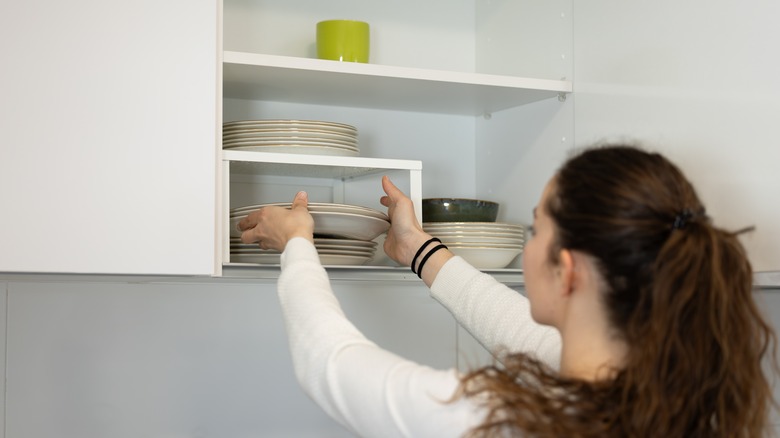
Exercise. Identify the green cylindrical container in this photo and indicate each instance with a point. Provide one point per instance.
(343, 40)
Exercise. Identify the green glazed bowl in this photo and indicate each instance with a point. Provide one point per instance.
(458, 210)
(343, 40)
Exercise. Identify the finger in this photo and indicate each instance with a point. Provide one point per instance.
(392, 191)
(301, 200)
(247, 223)
(394, 194)
(248, 237)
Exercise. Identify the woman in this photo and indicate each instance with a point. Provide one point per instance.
(655, 328)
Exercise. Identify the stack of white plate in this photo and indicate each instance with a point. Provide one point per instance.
(344, 233)
(331, 251)
(291, 136)
(485, 245)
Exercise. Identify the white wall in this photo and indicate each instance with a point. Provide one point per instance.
(699, 81)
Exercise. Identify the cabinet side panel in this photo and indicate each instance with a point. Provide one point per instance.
(107, 130)
(693, 80)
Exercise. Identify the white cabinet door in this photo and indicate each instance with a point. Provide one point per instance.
(107, 136)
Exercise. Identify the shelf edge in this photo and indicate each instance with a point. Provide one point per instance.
(396, 72)
(321, 160)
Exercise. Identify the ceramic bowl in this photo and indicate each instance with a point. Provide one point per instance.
(486, 257)
(458, 210)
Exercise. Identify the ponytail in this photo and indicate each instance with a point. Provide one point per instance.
(699, 370)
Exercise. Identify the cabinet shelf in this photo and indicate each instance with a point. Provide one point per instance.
(251, 177)
(322, 82)
(319, 166)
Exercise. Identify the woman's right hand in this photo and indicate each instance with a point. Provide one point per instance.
(405, 235)
(272, 227)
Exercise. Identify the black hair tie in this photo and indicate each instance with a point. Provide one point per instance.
(419, 251)
(427, 256)
(682, 219)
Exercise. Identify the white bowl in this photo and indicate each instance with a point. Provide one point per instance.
(486, 258)
(334, 224)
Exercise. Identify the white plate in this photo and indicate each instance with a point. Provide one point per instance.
(487, 258)
(477, 232)
(303, 133)
(284, 141)
(487, 226)
(286, 122)
(351, 226)
(348, 225)
(321, 251)
(345, 242)
(357, 253)
(479, 240)
(484, 245)
(317, 206)
(296, 124)
(335, 248)
(322, 242)
(343, 259)
(300, 149)
(483, 234)
(238, 246)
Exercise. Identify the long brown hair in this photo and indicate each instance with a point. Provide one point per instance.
(678, 289)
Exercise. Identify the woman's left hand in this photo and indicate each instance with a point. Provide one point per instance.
(272, 227)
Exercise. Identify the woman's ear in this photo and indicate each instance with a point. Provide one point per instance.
(566, 272)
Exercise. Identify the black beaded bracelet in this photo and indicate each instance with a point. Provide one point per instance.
(419, 251)
(427, 256)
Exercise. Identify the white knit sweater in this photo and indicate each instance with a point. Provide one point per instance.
(374, 392)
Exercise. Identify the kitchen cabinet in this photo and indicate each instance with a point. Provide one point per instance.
(108, 152)
(102, 152)
(107, 132)
(438, 91)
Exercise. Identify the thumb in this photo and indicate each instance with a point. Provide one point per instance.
(301, 200)
(392, 191)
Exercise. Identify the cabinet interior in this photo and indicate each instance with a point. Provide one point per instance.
(500, 121)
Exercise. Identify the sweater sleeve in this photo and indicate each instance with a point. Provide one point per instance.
(371, 391)
(497, 316)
